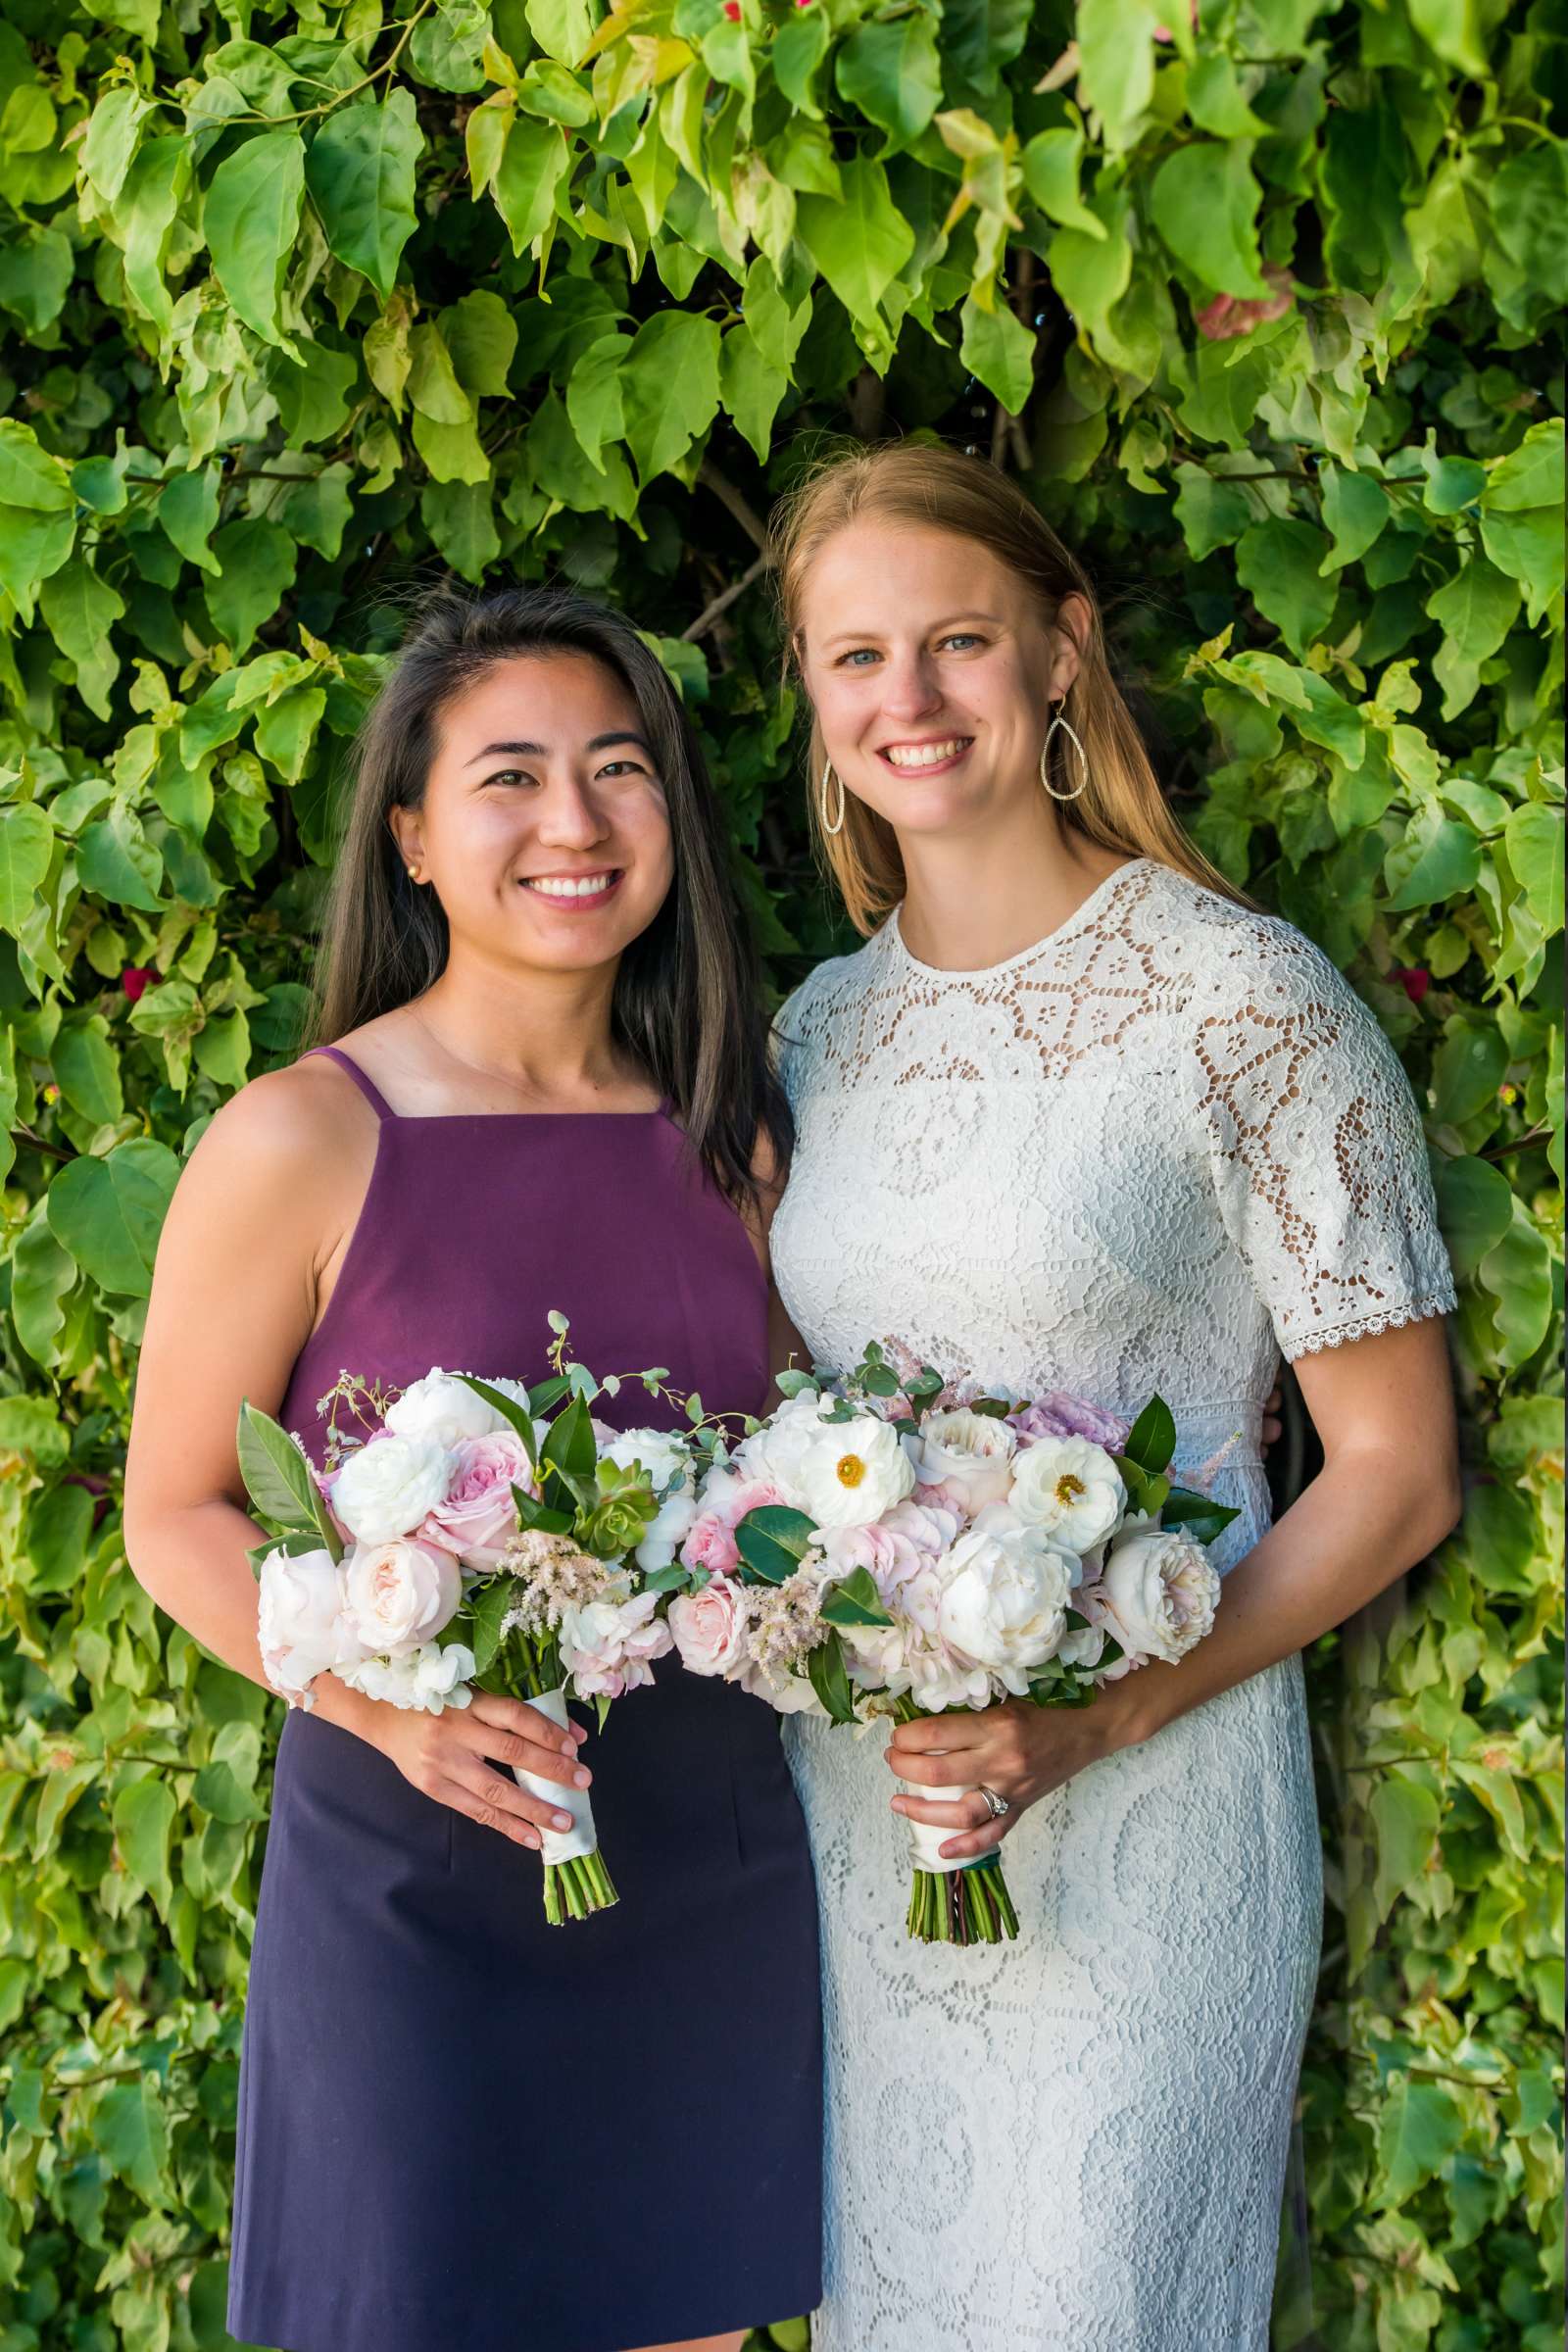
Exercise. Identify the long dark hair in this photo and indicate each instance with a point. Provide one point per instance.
(687, 1001)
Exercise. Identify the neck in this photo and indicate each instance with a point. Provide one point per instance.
(543, 1035)
(973, 900)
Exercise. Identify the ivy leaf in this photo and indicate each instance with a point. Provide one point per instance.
(860, 243)
(461, 519)
(1204, 203)
(1420, 2126)
(131, 2136)
(1355, 508)
(669, 388)
(536, 160)
(252, 217)
(187, 508)
(143, 1816)
(360, 172)
(80, 611)
(891, 72)
(1279, 564)
(999, 350)
(749, 386)
(27, 845)
(255, 562)
(593, 395)
(108, 1212)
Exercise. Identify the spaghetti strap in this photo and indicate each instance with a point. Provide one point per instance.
(372, 1093)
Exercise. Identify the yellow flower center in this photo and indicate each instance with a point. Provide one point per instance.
(851, 1470)
(1069, 1488)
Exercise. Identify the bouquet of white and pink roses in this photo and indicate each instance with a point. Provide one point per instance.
(888, 1546)
(474, 1534)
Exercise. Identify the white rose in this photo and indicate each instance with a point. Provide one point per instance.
(709, 1627)
(852, 1471)
(668, 1531)
(969, 1453)
(400, 1595)
(385, 1488)
(663, 1454)
(774, 1454)
(443, 1407)
(302, 1626)
(428, 1679)
(1005, 1599)
(786, 1694)
(1071, 1489)
(1159, 1594)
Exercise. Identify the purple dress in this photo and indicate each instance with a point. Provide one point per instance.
(459, 2127)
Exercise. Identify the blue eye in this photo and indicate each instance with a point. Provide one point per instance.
(963, 637)
(853, 660)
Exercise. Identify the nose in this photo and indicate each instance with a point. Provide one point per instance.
(569, 817)
(909, 686)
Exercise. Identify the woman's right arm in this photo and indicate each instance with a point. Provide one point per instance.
(264, 1208)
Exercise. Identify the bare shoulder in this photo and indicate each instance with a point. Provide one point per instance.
(306, 1125)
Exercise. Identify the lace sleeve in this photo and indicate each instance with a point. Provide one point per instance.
(1316, 1146)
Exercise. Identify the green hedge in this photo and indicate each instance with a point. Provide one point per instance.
(306, 305)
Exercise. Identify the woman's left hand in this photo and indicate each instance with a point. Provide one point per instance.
(1021, 1750)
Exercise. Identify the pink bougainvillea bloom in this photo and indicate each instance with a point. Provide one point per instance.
(1228, 316)
(1414, 980)
(732, 10)
(135, 979)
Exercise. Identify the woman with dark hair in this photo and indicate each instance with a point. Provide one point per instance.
(544, 1085)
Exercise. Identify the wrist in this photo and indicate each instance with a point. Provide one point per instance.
(345, 1709)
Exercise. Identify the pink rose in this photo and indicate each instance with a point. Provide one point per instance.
(397, 1595)
(609, 1647)
(846, 1549)
(942, 1496)
(710, 1540)
(479, 1512)
(709, 1627)
(1059, 1415)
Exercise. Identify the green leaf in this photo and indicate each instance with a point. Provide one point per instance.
(1518, 1273)
(536, 159)
(1418, 2129)
(1355, 508)
(80, 611)
(256, 560)
(1152, 1440)
(1001, 351)
(1196, 1515)
(108, 1212)
(361, 173)
(1279, 564)
(85, 1063)
(669, 388)
(1117, 63)
(1211, 511)
(481, 339)
(749, 386)
(1437, 860)
(853, 1601)
(42, 1276)
(569, 1444)
(773, 1540)
(115, 860)
(144, 1820)
(187, 508)
(1204, 203)
(1050, 166)
(830, 1679)
(35, 273)
(1529, 548)
(1475, 1207)
(518, 1420)
(252, 217)
(1532, 475)
(860, 242)
(277, 1478)
(27, 845)
(1534, 839)
(891, 72)
(1404, 1817)
(131, 2136)
(1474, 611)
(799, 47)
(482, 1625)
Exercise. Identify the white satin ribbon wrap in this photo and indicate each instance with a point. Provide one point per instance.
(924, 1838)
(561, 1845)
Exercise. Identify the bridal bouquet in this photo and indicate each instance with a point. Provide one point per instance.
(884, 1546)
(474, 1534)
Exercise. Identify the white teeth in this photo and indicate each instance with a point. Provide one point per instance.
(586, 885)
(924, 754)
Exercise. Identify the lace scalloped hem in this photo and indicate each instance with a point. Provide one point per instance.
(1368, 1326)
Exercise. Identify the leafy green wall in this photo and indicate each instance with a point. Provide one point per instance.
(306, 306)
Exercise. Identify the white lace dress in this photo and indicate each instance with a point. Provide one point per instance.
(1150, 1152)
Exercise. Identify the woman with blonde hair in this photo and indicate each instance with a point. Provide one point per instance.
(1076, 1117)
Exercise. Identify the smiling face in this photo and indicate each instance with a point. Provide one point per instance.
(932, 671)
(544, 829)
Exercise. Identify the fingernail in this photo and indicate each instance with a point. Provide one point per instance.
(531, 1841)
(562, 1821)
(568, 1747)
(581, 1779)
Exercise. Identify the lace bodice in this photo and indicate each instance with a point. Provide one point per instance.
(1146, 1153)
(1150, 1152)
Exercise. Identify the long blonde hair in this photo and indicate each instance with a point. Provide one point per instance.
(1122, 806)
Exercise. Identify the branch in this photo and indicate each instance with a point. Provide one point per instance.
(24, 1135)
(745, 514)
(722, 603)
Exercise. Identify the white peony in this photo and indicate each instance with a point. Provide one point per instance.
(1005, 1599)
(1070, 1489)
(1159, 1594)
(400, 1595)
(786, 1694)
(774, 1454)
(302, 1626)
(608, 1647)
(445, 1408)
(428, 1679)
(852, 1471)
(664, 1458)
(385, 1488)
(668, 1531)
(969, 1453)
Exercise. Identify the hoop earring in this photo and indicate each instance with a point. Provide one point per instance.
(836, 824)
(1070, 731)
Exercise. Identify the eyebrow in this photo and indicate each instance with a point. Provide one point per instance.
(540, 751)
(950, 620)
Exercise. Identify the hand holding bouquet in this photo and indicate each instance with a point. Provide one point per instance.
(479, 1535)
(884, 1546)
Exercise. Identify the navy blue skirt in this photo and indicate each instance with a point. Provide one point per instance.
(459, 2127)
